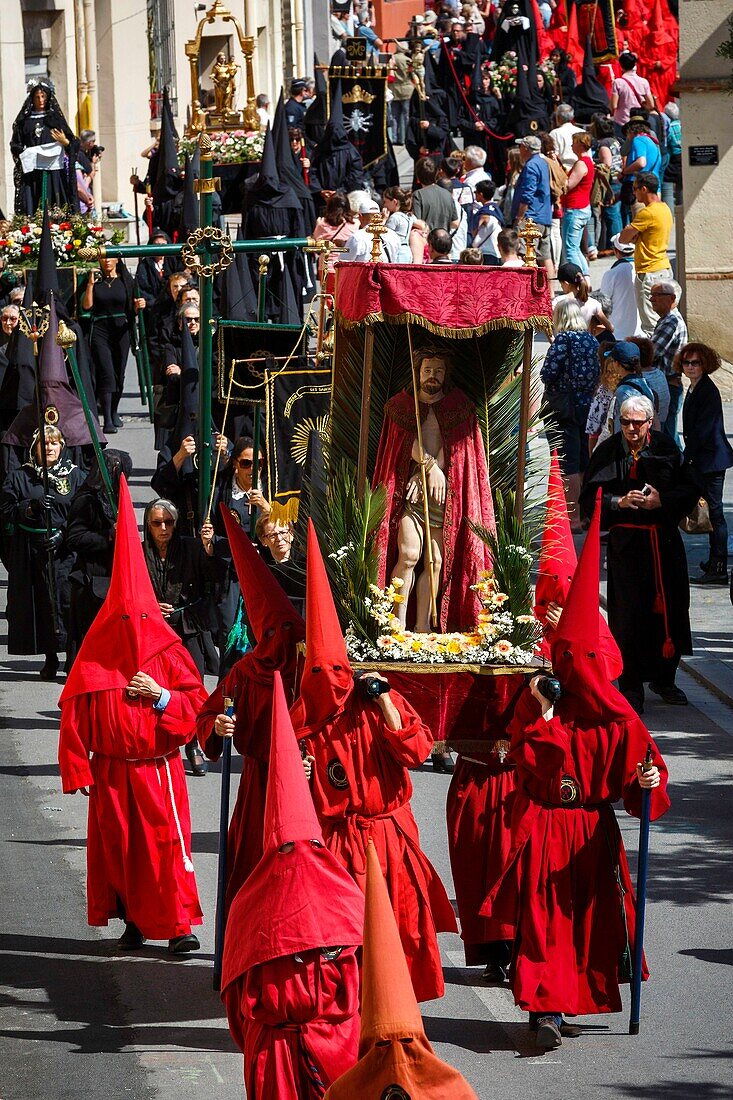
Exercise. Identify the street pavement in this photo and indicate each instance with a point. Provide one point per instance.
(79, 1020)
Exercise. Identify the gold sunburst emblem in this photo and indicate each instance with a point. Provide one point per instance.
(302, 433)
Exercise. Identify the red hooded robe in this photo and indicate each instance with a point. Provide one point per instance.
(290, 976)
(658, 52)
(361, 786)
(139, 847)
(468, 496)
(278, 628)
(559, 886)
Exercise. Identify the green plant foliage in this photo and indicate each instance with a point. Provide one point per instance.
(725, 49)
(510, 552)
(347, 535)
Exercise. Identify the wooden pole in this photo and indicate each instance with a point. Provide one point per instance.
(366, 410)
(428, 548)
(523, 423)
(206, 341)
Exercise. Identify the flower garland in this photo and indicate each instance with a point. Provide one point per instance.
(228, 146)
(499, 637)
(504, 72)
(20, 237)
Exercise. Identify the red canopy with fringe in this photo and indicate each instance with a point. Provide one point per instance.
(451, 300)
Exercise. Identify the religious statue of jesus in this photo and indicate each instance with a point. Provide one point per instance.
(450, 451)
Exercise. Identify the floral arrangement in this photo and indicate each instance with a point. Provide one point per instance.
(499, 637)
(504, 72)
(20, 237)
(228, 146)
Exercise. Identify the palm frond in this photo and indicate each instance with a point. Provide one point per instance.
(510, 553)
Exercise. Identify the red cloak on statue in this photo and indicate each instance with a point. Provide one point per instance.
(360, 783)
(139, 828)
(278, 628)
(395, 1057)
(468, 496)
(290, 972)
(559, 887)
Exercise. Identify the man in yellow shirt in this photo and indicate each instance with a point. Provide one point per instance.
(650, 231)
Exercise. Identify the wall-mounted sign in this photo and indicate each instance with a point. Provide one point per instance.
(703, 156)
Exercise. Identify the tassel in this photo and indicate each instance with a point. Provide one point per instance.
(658, 606)
(187, 864)
(668, 650)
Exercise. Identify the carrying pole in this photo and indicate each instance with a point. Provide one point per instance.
(221, 881)
(641, 876)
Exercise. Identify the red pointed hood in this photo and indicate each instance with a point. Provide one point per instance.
(578, 659)
(129, 629)
(296, 900)
(276, 624)
(328, 679)
(393, 1048)
(572, 45)
(557, 556)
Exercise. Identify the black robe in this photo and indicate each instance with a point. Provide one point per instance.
(634, 604)
(30, 620)
(590, 97)
(34, 128)
(436, 138)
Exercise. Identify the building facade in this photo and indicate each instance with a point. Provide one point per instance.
(124, 51)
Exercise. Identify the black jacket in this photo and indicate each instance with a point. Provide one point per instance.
(707, 449)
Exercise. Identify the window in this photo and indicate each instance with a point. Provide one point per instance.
(162, 55)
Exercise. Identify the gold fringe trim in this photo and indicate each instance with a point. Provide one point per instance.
(544, 324)
(285, 513)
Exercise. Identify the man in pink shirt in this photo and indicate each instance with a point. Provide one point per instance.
(629, 92)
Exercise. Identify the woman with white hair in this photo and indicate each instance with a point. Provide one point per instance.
(645, 492)
(570, 374)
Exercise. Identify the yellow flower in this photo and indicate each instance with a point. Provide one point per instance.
(416, 646)
(77, 243)
(397, 582)
(500, 597)
(454, 646)
(398, 599)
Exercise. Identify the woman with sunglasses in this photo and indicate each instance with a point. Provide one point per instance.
(707, 450)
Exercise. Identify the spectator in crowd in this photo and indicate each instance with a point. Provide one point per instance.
(402, 88)
(645, 493)
(629, 92)
(670, 334)
(359, 244)
(569, 374)
(295, 105)
(471, 256)
(708, 454)
(365, 30)
(558, 186)
(336, 224)
(508, 245)
(609, 158)
(397, 206)
(655, 379)
(489, 222)
(262, 104)
(576, 201)
(562, 135)
(618, 285)
(474, 167)
(575, 286)
(532, 198)
(672, 182)
(513, 171)
(432, 203)
(439, 246)
(644, 153)
(650, 231)
(625, 363)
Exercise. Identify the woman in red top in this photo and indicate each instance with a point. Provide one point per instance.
(576, 202)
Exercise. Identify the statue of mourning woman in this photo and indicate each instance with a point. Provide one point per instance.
(44, 148)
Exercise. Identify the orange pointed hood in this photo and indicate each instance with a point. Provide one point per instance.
(328, 679)
(393, 1048)
(129, 629)
(294, 900)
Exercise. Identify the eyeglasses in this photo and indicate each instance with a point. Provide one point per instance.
(192, 320)
(162, 523)
(691, 362)
(625, 422)
(247, 464)
(275, 536)
(660, 294)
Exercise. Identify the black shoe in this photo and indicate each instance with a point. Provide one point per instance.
(109, 429)
(182, 945)
(705, 565)
(669, 693)
(196, 759)
(495, 974)
(548, 1032)
(443, 762)
(117, 420)
(131, 939)
(50, 668)
(716, 573)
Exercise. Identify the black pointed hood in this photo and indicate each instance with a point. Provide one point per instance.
(55, 392)
(289, 173)
(528, 114)
(47, 277)
(190, 208)
(335, 136)
(267, 189)
(315, 119)
(19, 381)
(167, 181)
(590, 97)
(238, 295)
(187, 421)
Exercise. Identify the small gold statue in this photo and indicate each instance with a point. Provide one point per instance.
(223, 75)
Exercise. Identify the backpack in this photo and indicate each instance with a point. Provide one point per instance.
(601, 193)
(475, 215)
